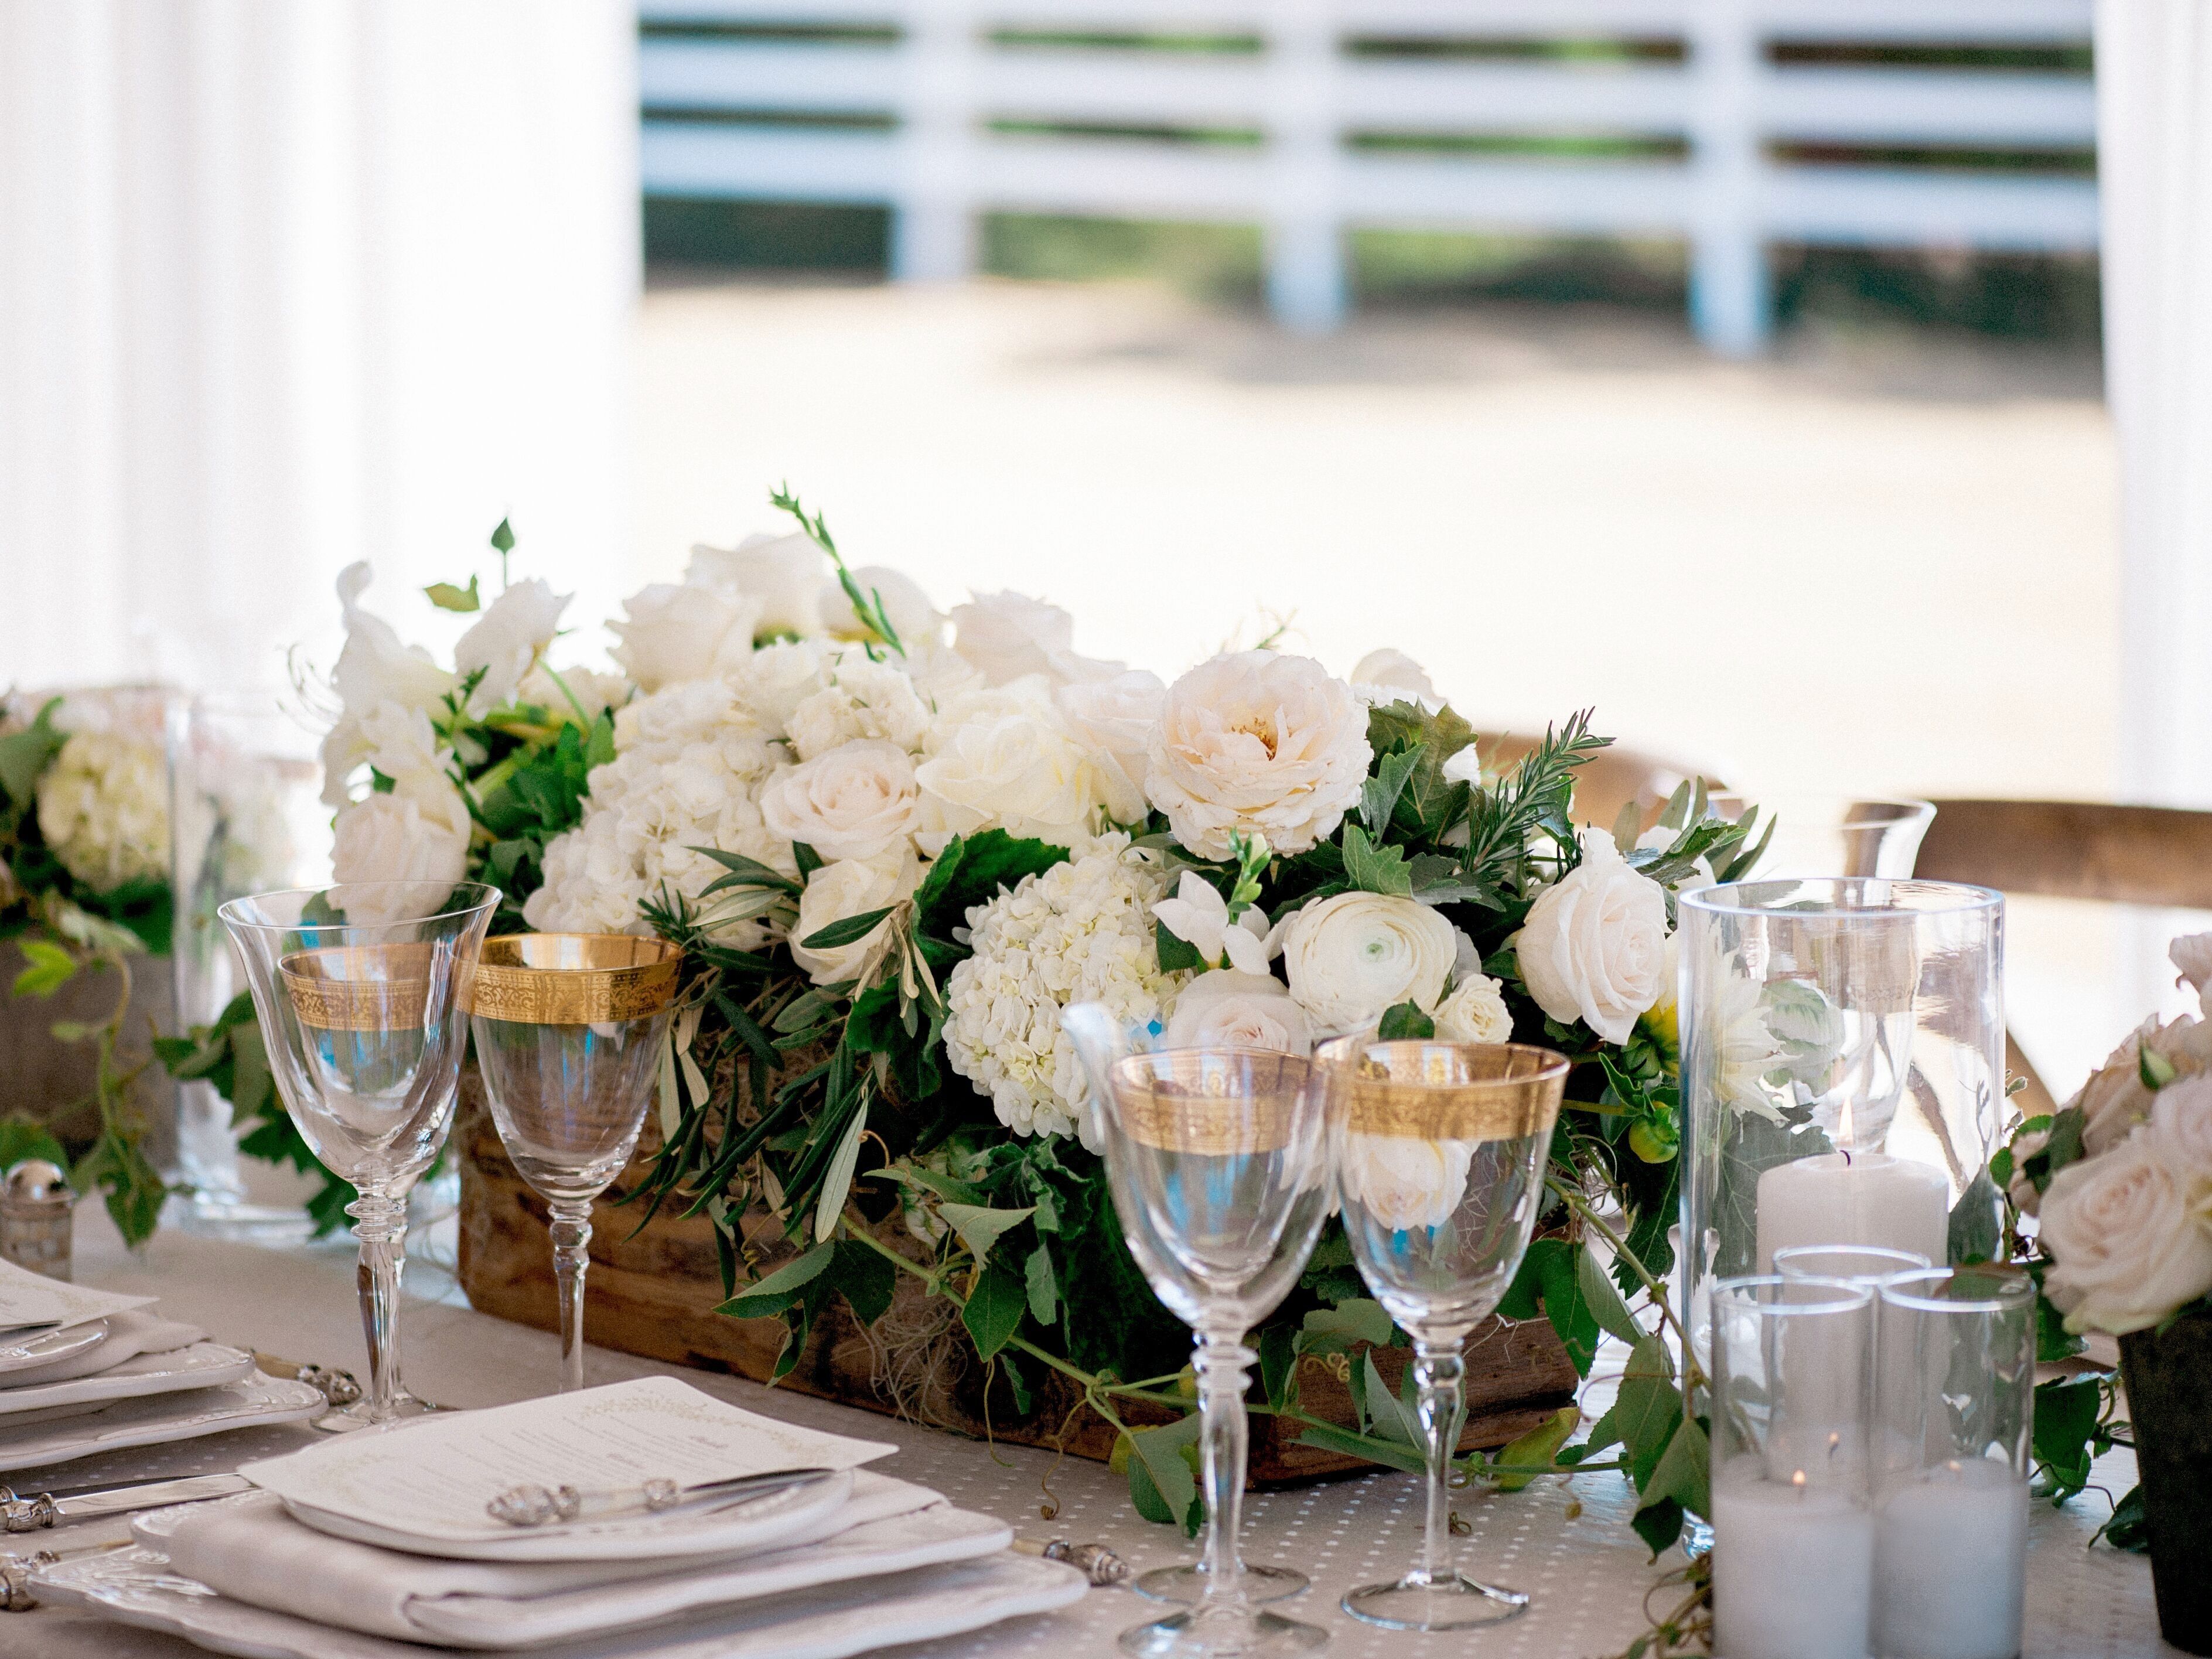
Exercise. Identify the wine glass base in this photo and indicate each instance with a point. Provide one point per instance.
(1185, 1584)
(1232, 1631)
(1449, 1602)
(347, 1418)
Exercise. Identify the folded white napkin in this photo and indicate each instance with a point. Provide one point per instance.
(249, 1549)
(129, 1333)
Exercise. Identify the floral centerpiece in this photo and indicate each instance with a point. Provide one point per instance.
(896, 843)
(84, 891)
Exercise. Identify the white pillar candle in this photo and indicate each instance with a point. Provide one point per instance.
(1793, 1571)
(1951, 1563)
(1863, 1198)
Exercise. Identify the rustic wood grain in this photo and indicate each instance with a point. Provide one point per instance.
(654, 1293)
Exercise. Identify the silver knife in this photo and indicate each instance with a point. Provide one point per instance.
(45, 1509)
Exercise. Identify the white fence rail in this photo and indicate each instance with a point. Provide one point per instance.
(905, 104)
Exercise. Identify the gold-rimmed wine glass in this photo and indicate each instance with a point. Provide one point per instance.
(569, 1028)
(1438, 1151)
(357, 989)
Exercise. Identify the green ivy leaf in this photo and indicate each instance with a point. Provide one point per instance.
(1376, 869)
(1404, 1023)
(1649, 1404)
(1334, 1330)
(2066, 1413)
(1564, 1304)
(1540, 1445)
(49, 968)
(1378, 796)
(1043, 1288)
(980, 1226)
(25, 753)
(1391, 1419)
(1176, 954)
(1684, 1470)
(772, 1295)
(994, 1310)
(1161, 1484)
(867, 1281)
(447, 596)
(1602, 1300)
(1278, 1364)
(1658, 1525)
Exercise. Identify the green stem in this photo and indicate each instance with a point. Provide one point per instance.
(1576, 1202)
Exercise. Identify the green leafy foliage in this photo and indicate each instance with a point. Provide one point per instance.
(1405, 1021)
(995, 1307)
(447, 596)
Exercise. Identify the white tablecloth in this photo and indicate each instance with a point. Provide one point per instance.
(1588, 1576)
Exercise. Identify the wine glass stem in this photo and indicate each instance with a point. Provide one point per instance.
(1222, 1362)
(379, 1227)
(1440, 1377)
(572, 1235)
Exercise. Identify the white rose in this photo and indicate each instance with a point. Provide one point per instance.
(1594, 946)
(857, 802)
(1352, 958)
(906, 607)
(508, 639)
(1018, 770)
(1005, 637)
(1474, 1012)
(864, 699)
(1114, 718)
(1401, 1182)
(2193, 955)
(1388, 676)
(675, 633)
(775, 679)
(851, 887)
(781, 574)
(373, 668)
(2126, 1249)
(1255, 741)
(402, 745)
(420, 834)
(2181, 1129)
(1226, 1009)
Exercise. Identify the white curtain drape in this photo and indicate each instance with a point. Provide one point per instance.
(285, 283)
(2154, 176)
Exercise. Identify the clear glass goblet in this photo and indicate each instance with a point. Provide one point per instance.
(357, 987)
(569, 1028)
(1438, 1151)
(1214, 1158)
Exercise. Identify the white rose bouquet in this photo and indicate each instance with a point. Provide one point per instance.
(896, 843)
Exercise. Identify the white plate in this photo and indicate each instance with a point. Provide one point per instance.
(22, 1351)
(680, 1532)
(826, 1622)
(203, 1365)
(157, 1419)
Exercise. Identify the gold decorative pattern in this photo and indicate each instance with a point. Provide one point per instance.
(1216, 1102)
(573, 979)
(1422, 1090)
(360, 987)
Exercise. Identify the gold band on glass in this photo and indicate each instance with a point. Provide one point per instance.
(1422, 1090)
(1214, 1102)
(573, 979)
(360, 987)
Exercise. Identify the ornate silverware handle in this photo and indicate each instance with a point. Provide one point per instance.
(541, 1506)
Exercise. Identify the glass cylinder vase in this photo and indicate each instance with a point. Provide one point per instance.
(1842, 1071)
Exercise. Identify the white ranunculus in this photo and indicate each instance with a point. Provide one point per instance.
(1352, 958)
(850, 887)
(1402, 1183)
(863, 699)
(1199, 916)
(676, 634)
(1388, 676)
(783, 574)
(1017, 770)
(2126, 1249)
(1594, 946)
(1260, 743)
(1114, 718)
(508, 639)
(419, 833)
(103, 806)
(1474, 1011)
(1005, 637)
(1227, 1009)
(856, 802)
(906, 607)
(775, 679)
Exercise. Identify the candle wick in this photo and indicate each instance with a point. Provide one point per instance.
(1847, 1157)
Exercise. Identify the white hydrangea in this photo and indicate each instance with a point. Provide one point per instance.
(775, 679)
(1082, 932)
(687, 770)
(863, 700)
(104, 810)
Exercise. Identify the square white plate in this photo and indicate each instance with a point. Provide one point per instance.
(828, 1621)
(157, 1419)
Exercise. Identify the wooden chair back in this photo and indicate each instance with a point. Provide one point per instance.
(2148, 855)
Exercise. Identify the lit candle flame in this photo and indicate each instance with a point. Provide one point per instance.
(1798, 1481)
(1835, 1444)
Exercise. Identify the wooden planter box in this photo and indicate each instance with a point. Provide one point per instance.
(52, 1082)
(656, 1294)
